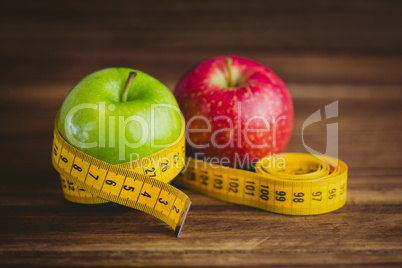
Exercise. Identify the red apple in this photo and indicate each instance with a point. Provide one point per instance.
(237, 111)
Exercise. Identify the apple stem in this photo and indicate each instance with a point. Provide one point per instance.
(130, 78)
(228, 62)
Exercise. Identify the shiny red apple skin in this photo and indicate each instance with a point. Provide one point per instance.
(260, 94)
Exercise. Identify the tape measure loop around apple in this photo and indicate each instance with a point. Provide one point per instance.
(290, 183)
(88, 180)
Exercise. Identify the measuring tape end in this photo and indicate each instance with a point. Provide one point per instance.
(183, 218)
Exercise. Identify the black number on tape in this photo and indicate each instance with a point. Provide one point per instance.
(264, 192)
(163, 202)
(317, 196)
(64, 159)
(176, 158)
(191, 175)
(250, 188)
(70, 185)
(128, 188)
(280, 193)
(218, 182)
(264, 195)
(342, 189)
(280, 196)
(176, 209)
(77, 168)
(331, 193)
(298, 198)
(233, 185)
(150, 172)
(110, 182)
(55, 149)
(146, 194)
(93, 176)
(165, 166)
(204, 179)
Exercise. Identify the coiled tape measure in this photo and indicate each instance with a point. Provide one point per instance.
(289, 183)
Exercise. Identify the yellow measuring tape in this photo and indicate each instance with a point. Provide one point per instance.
(290, 183)
(140, 184)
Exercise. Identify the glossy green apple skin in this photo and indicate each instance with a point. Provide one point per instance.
(104, 89)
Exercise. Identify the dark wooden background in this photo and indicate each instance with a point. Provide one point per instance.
(325, 51)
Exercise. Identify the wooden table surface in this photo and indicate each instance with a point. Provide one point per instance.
(325, 51)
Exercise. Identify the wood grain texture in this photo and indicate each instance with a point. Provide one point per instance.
(349, 51)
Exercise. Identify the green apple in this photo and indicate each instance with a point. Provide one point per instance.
(120, 114)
